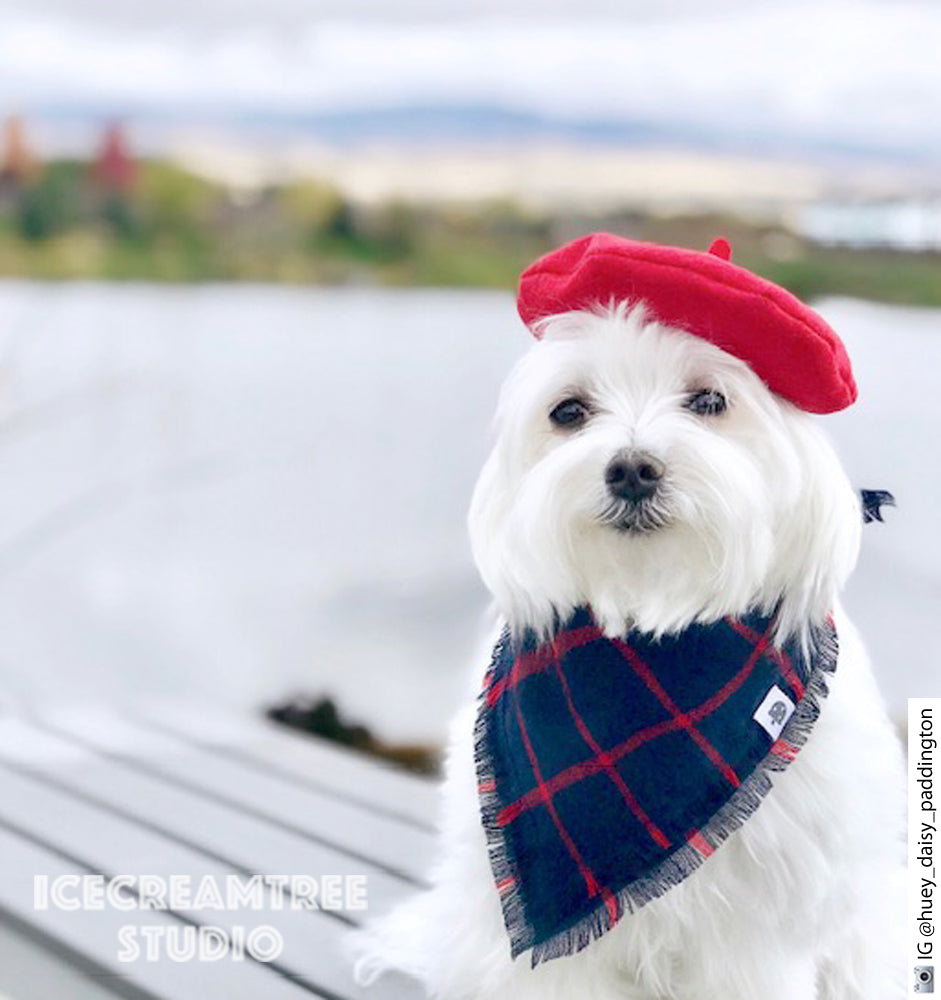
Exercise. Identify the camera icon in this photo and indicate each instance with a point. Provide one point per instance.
(924, 979)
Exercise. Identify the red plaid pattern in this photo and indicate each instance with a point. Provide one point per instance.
(544, 734)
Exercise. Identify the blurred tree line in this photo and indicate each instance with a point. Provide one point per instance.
(64, 221)
(114, 217)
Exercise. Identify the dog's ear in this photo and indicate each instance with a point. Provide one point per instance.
(486, 520)
(819, 537)
(521, 566)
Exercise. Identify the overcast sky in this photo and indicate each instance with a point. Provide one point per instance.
(856, 70)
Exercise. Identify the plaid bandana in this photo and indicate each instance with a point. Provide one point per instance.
(609, 769)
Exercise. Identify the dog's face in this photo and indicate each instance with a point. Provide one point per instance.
(652, 475)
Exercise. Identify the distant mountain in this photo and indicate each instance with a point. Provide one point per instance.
(459, 122)
(408, 122)
(470, 123)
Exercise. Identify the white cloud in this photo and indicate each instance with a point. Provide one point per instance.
(856, 70)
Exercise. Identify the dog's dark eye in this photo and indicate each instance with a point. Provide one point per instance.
(570, 413)
(706, 402)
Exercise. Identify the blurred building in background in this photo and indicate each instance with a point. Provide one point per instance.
(114, 169)
(17, 164)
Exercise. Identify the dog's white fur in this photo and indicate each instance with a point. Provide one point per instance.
(805, 901)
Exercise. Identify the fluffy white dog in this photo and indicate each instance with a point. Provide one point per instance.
(646, 473)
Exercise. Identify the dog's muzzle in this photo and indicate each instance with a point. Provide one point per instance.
(635, 484)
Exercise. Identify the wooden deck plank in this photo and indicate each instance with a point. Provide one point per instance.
(274, 749)
(61, 790)
(189, 813)
(384, 840)
(312, 940)
(401, 846)
(36, 967)
(93, 934)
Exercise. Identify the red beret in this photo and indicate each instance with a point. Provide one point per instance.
(785, 342)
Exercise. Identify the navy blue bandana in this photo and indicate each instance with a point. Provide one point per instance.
(610, 769)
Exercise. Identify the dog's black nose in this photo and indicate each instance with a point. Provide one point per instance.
(633, 476)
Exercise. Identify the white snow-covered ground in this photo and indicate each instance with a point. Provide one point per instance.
(243, 492)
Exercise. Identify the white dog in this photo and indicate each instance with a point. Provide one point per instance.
(739, 503)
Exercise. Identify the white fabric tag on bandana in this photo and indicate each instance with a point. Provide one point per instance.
(772, 714)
